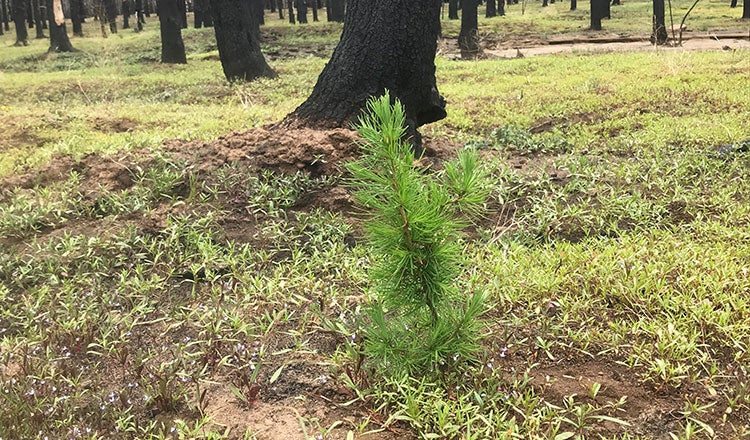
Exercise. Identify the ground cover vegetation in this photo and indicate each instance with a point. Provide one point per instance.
(219, 286)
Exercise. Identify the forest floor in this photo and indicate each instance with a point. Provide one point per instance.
(175, 265)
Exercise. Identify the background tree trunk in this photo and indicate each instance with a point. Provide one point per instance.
(6, 15)
(126, 14)
(301, 11)
(290, 5)
(110, 12)
(38, 19)
(733, 4)
(19, 20)
(280, 7)
(139, 20)
(500, 7)
(746, 9)
(573, 5)
(182, 4)
(468, 41)
(598, 11)
(170, 20)
(658, 29)
(385, 44)
(238, 38)
(76, 8)
(58, 34)
(453, 9)
(490, 10)
(336, 11)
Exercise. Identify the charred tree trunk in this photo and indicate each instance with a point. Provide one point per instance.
(658, 29)
(139, 20)
(746, 9)
(733, 4)
(110, 12)
(3, 17)
(198, 13)
(301, 11)
(19, 20)
(290, 5)
(500, 7)
(606, 13)
(398, 56)
(544, 3)
(468, 40)
(490, 10)
(6, 15)
(573, 5)
(238, 38)
(280, 7)
(170, 20)
(616, 3)
(259, 11)
(315, 10)
(58, 34)
(453, 9)
(126, 14)
(76, 17)
(38, 19)
(598, 11)
(336, 11)
(183, 12)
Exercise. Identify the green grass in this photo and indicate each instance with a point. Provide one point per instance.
(616, 252)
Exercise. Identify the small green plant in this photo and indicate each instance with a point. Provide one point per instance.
(420, 319)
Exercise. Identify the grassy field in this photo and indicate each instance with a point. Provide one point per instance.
(178, 291)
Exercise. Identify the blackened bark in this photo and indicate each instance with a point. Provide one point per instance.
(208, 15)
(110, 11)
(58, 34)
(385, 44)
(658, 29)
(146, 9)
(315, 10)
(19, 20)
(139, 20)
(126, 14)
(606, 13)
(6, 15)
(258, 11)
(500, 7)
(746, 9)
(76, 17)
(468, 40)
(616, 3)
(38, 19)
(544, 3)
(733, 4)
(290, 5)
(183, 13)
(573, 5)
(198, 13)
(598, 11)
(170, 20)
(29, 14)
(238, 38)
(490, 10)
(3, 17)
(453, 9)
(336, 11)
(301, 6)
(280, 7)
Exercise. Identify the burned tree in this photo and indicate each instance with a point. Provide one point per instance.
(238, 38)
(659, 30)
(468, 40)
(58, 34)
(170, 20)
(19, 20)
(385, 44)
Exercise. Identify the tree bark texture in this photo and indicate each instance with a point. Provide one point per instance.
(38, 18)
(170, 20)
(500, 7)
(58, 34)
(19, 20)
(573, 5)
(238, 38)
(258, 11)
(6, 15)
(183, 13)
(126, 14)
(336, 11)
(468, 40)
(76, 17)
(746, 9)
(490, 10)
(3, 17)
(453, 9)
(733, 4)
(290, 7)
(280, 7)
(598, 11)
(658, 29)
(110, 11)
(315, 10)
(301, 6)
(385, 44)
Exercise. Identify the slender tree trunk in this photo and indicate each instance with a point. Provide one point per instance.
(6, 15)
(280, 7)
(198, 13)
(453, 9)
(238, 38)
(544, 3)
(490, 10)
(598, 10)
(3, 17)
(573, 5)
(30, 14)
(746, 9)
(146, 9)
(183, 13)
(110, 12)
(336, 11)
(208, 15)
(733, 4)
(126, 14)
(139, 20)
(76, 18)
(658, 29)
(301, 11)
(290, 4)
(500, 7)
(468, 40)
(385, 44)
(315, 10)
(58, 35)
(170, 20)
(38, 19)
(19, 20)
